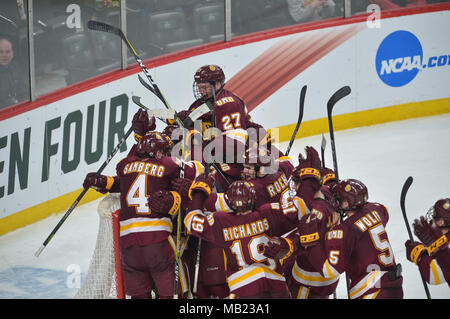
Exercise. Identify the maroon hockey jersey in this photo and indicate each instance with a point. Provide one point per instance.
(231, 114)
(138, 178)
(272, 188)
(304, 281)
(228, 174)
(243, 238)
(227, 104)
(435, 269)
(360, 247)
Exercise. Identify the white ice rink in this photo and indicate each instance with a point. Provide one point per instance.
(381, 156)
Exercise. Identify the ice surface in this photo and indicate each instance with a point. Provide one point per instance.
(382, 156)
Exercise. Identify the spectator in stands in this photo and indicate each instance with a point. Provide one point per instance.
(21, 10)
(13, 86)
(310, 10)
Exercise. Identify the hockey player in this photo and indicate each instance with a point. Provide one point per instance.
(242, 234)
(211, 279)
(271, 186)
(269, 176)
(432, 254)
(228, 115)
(359, 246)
(146, 242)
(304, 281)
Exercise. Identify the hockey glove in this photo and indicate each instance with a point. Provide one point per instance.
(438, 243)
(202, 183)
(309, 167)
(278, 248)
(308, 230)
(181, 186)
(141, 124)
(164, 202)
(425, 231)
(328, 176)
(100, 183)
(414, 250)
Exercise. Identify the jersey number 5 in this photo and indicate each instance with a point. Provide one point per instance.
(383, 245)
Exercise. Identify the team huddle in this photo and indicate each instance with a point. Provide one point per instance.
(216, 210)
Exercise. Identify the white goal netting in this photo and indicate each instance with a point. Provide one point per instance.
(104, 277)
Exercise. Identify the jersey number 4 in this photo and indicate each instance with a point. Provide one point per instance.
(137, 195)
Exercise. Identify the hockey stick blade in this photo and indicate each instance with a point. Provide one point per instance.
(162, 114)
(337, 96)
(150, 88)
(300, 117)
(196, 114)
(147, 86)
(322, 149)
(101, 26)
(405, 189)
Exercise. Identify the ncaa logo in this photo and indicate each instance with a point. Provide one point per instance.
(399, 58)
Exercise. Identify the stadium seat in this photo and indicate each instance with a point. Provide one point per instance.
(209, 21)
(167, 29)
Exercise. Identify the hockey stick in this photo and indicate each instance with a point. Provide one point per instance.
(336, 97)
(322, 149)
(77, 201)
(153, 87)
(300, 117)
(188, 121)
(405, 189)
(203, 109)
(211, 106)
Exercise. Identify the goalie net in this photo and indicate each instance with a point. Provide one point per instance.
(104, 278)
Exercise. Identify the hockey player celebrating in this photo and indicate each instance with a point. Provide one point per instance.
(304, 281)
(146, 242)
(270, 176)
(432, 255)
(228, 116)
(358, 246)
(242, 234)
(228, 111)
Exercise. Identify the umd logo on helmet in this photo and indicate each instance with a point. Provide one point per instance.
(347, 188)
(212, 68)
(446, 205)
